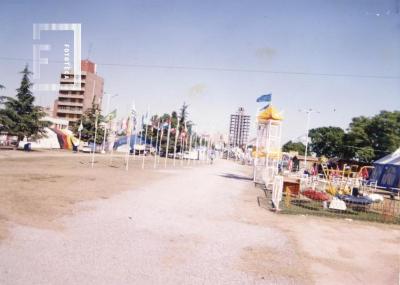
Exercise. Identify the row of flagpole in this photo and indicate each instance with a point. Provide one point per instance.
(131, 129)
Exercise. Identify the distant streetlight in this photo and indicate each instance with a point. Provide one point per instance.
(308, 112)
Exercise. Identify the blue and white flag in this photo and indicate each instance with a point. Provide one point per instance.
(264, 98)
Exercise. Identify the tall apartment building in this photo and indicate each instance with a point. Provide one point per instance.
(71, 104)
(239, 128)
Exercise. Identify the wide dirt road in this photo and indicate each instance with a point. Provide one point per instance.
(198, 226)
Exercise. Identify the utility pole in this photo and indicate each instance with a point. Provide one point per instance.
(308, 112)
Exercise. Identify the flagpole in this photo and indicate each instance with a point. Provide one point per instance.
(183, 143)
(207, 146)
(151, 138)
(195, 147)
(185, 148)
(141, 137)
(190, 146)
(105, 127)
(159, 149)
(176, 138)
(112, 151)
(95, 136)
(128, 141)
(205, 152)
(95, 123)
(134, 132)
(155, 155)
(168, 135)
(112, 147)
(80, 134)
(208, 149)
(129, 133)
(145, 139)
(79, 140)
(199, 148)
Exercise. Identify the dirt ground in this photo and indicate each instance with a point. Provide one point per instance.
(39, 187)
(326, 250)
(63, 222)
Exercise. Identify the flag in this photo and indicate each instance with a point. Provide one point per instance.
(168, 135)
(128, 126)
(176, 138)
(156, 125)
(133, 117)
(110, 116)
(145, 118)
(165, 125)
(80, 127)
(96, 119)
(265, 107)
(264, 98)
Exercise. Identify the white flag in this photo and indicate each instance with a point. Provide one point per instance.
(80, 127)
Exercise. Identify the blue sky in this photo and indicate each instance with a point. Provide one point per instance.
(339, 57)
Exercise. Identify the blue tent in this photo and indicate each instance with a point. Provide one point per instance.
(135, 139)
(387, 171)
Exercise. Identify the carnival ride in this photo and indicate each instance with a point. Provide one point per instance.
(267, 153)
(350, 188)
(345, 190)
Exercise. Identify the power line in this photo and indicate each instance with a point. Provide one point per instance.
(221, 69)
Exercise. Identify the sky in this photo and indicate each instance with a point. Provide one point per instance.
(339, 57)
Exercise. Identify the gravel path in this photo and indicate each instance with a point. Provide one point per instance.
(181, 230)
(197, 226)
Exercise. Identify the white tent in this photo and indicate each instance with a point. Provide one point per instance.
(49, 141)
(393, 158)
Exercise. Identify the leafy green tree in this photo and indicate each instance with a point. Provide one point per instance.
(154, 120)
(89, 125)
(357, 144)
(174, 117)
(294, 146)
(327, 141)
(371, 138)
(183, 114)
(164, 119)
(20, 117)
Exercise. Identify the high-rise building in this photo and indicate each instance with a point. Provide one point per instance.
(239, 128)
(71, 104)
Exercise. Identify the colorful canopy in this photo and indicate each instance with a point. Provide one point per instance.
(270, 113)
